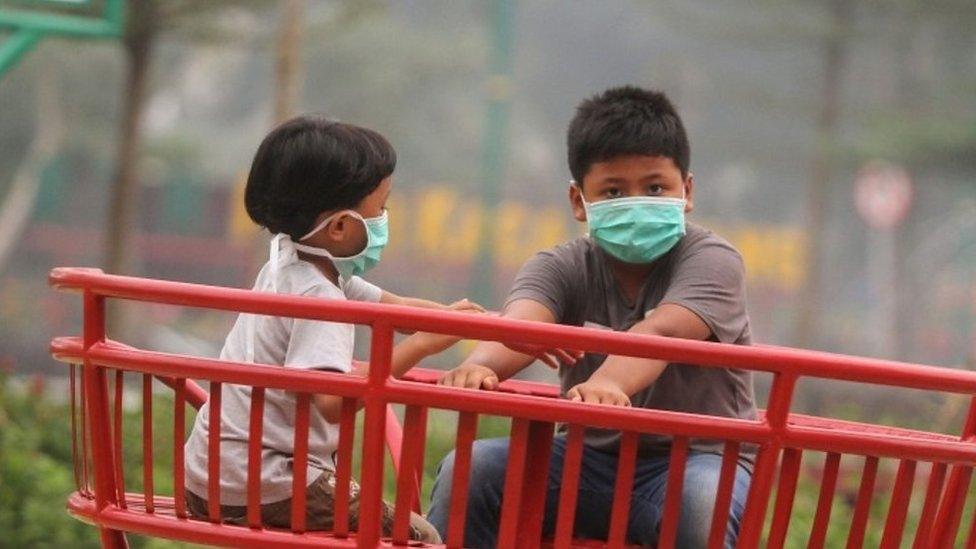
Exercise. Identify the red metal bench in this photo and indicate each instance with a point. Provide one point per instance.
(534, 408)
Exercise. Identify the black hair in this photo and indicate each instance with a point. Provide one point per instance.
(311, 164)
(625, 121)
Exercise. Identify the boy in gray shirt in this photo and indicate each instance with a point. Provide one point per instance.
(643, 270)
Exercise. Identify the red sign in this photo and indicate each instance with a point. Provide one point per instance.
(882, 194)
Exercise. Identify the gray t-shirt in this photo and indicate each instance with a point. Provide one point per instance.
(702, 273)
(284, 342)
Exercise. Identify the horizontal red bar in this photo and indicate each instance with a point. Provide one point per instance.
(833, 436)
(255, 375)
(962, 453)
(762, 358)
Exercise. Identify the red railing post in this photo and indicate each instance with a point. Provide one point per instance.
(862, 508)
(623, 489)
(780, 397)
(898, 507)
(374, 429)
(299, 492)
(514, 480)
(671, 516)
(96, 387)
(347, 431)
(117, 439)
(950, 510)
(569, 487)
(723, 497)
(75, 456)
(785, 493)
(536, 486)
(411, 461)
(930, 505)
(828, 485)
(147, 444)
(179, 436)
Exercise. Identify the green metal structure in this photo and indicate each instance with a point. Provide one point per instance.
(27, 23)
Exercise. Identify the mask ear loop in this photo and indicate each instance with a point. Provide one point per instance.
(326, 221)
(321, 252)
(251, 319)
(274, 256)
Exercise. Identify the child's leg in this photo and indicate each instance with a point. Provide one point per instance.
(702, 472)
(320, 505)
(320, 511)
(489, 459)
(485, 485)
(698, 500)
(196, 506)
(594, 498)
(277, 514)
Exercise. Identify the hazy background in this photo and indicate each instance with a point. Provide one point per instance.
(784, 103)
(129, 154)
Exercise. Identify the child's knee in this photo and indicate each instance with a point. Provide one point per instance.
(698, 503)
(486, 471)
(446, 466)
(487, 463)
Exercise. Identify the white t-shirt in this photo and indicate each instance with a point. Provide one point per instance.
(288, 342)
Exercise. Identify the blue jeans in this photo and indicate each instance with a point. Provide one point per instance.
(489, 458)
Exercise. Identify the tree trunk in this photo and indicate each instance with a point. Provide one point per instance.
(289, 77)
(818, 188)
(138, 43)
(119, 227)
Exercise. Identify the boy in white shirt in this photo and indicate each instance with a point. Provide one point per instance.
(320, 187)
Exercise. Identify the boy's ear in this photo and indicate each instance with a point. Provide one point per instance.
(576, 201)
(336, 229)
(689, 185)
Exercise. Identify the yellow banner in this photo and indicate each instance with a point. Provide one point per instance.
(440, 224)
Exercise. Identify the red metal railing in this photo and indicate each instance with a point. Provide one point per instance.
(783, 438)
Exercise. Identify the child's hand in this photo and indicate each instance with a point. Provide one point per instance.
(599, 392)
(465, 306)
(550, 357)
(471, 376)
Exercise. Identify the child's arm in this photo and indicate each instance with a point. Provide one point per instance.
(621, 376)
(406, 355)
(491, 362)
(393, 299)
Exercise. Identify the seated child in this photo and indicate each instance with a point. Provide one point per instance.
(320, 187)
(643, 270)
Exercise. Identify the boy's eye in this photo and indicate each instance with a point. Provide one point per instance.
(655, 190)
(612, 193)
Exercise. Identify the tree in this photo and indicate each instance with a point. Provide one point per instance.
(289, 73)
(146, 20)
(834, 46)
(142, 28)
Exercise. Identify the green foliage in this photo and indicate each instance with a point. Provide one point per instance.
(35, 473)
(36, 468)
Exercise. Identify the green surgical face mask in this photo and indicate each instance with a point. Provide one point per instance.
(636, 229)
(377, 235)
